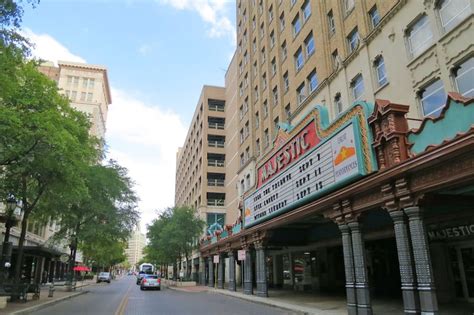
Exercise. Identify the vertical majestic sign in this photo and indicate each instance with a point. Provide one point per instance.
(313, 161)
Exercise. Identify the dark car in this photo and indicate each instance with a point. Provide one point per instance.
(150, 282)
(140, 277)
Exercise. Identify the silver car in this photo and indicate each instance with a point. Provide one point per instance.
(150, 282)
(104, 276)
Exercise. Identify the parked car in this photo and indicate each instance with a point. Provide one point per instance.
(104, 276)
(150, 282)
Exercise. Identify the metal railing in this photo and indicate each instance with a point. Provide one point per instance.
(215, 182)
(216, 144)
(218, 163)
(216, 126)
(216, 108)
(215, 202)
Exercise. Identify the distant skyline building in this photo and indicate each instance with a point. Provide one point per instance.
(135, 245)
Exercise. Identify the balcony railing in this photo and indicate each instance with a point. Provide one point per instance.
(216, 108)
(217, 163)
(216, 144)
(216, 126)
(215, 202)
(215, 182)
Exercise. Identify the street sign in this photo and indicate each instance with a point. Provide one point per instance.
(216, 259)
(241, 254)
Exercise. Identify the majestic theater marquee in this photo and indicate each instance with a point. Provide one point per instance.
(310, 160)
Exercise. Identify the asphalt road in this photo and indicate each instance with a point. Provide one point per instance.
(124, 297)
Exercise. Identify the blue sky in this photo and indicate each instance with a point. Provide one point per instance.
(159, 54)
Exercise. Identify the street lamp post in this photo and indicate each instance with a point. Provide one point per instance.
(10, 216)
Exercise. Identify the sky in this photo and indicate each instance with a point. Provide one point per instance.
(158, 55)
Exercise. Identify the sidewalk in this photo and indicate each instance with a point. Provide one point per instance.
(60, 294)
(324, 308)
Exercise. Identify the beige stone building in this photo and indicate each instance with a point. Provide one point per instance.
(135, 245)
(292, 55)
(87, 87)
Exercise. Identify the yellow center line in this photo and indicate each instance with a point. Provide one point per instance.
(123, 304)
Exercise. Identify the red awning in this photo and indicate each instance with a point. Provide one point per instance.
(81, 268)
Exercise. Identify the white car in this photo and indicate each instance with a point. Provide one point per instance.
(150, 282)
(104, 276)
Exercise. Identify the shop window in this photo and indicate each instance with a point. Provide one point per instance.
(453, 12)
(420, 36)
(464, 77)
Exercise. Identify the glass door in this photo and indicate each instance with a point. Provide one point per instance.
(467, 258)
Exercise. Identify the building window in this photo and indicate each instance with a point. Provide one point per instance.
(241, 69)
(69, 80)
(338, 103)
(256, 93)
(282, 21)
(288, 112)
(380, 71)
(270, 13)
(312, 81)
(73, 95)
(264, 81)
(263, 55)
(335, 59)
(309, 43)
(272, 39)
(213, 218)
(257, 120)
(275, 125)
(262, 30)
(306, 8)
(83, 96)
(301, 93)
(241, 112)
(433, 99)
(247, 180)
(267, 138)
(452, 12)
(89, 97)
(75, 81)
(265, 109)
(283, 51)
(348, 6)
(257, 147)
(286, 82)
(254, 23)
(357, 86)
(374, 16)
(255, 69)
(420, 36)
(464, 77)
(296, 25)
(353, 40)
(331, 23)
(299, 59)
(274, 67)
(242, 137)
(275, 95)
(246, 130)
(254, 45)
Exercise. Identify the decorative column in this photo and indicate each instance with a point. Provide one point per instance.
(364, 305)
(349, 269)
(411, 302)
(261, 272)
(248, 267)
(421, 254)
(232, 280)
(211, 272)
(220, 271)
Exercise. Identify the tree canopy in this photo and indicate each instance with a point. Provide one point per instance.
(173, 235)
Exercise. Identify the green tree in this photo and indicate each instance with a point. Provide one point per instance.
(44, 145)
(173, 235)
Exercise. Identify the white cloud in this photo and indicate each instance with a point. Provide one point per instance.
(144, 49)
(47, 48)
(213, 12)
(145, 138)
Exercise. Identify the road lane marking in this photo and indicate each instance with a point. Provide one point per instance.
(123, 304)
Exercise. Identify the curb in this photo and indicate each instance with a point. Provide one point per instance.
(47, 304)
(263, 302)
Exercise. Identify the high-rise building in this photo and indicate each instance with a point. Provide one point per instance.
(318, 89)
(87, 87)
(135, 245)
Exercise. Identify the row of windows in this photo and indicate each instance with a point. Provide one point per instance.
(84, 97)
(86, 82)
